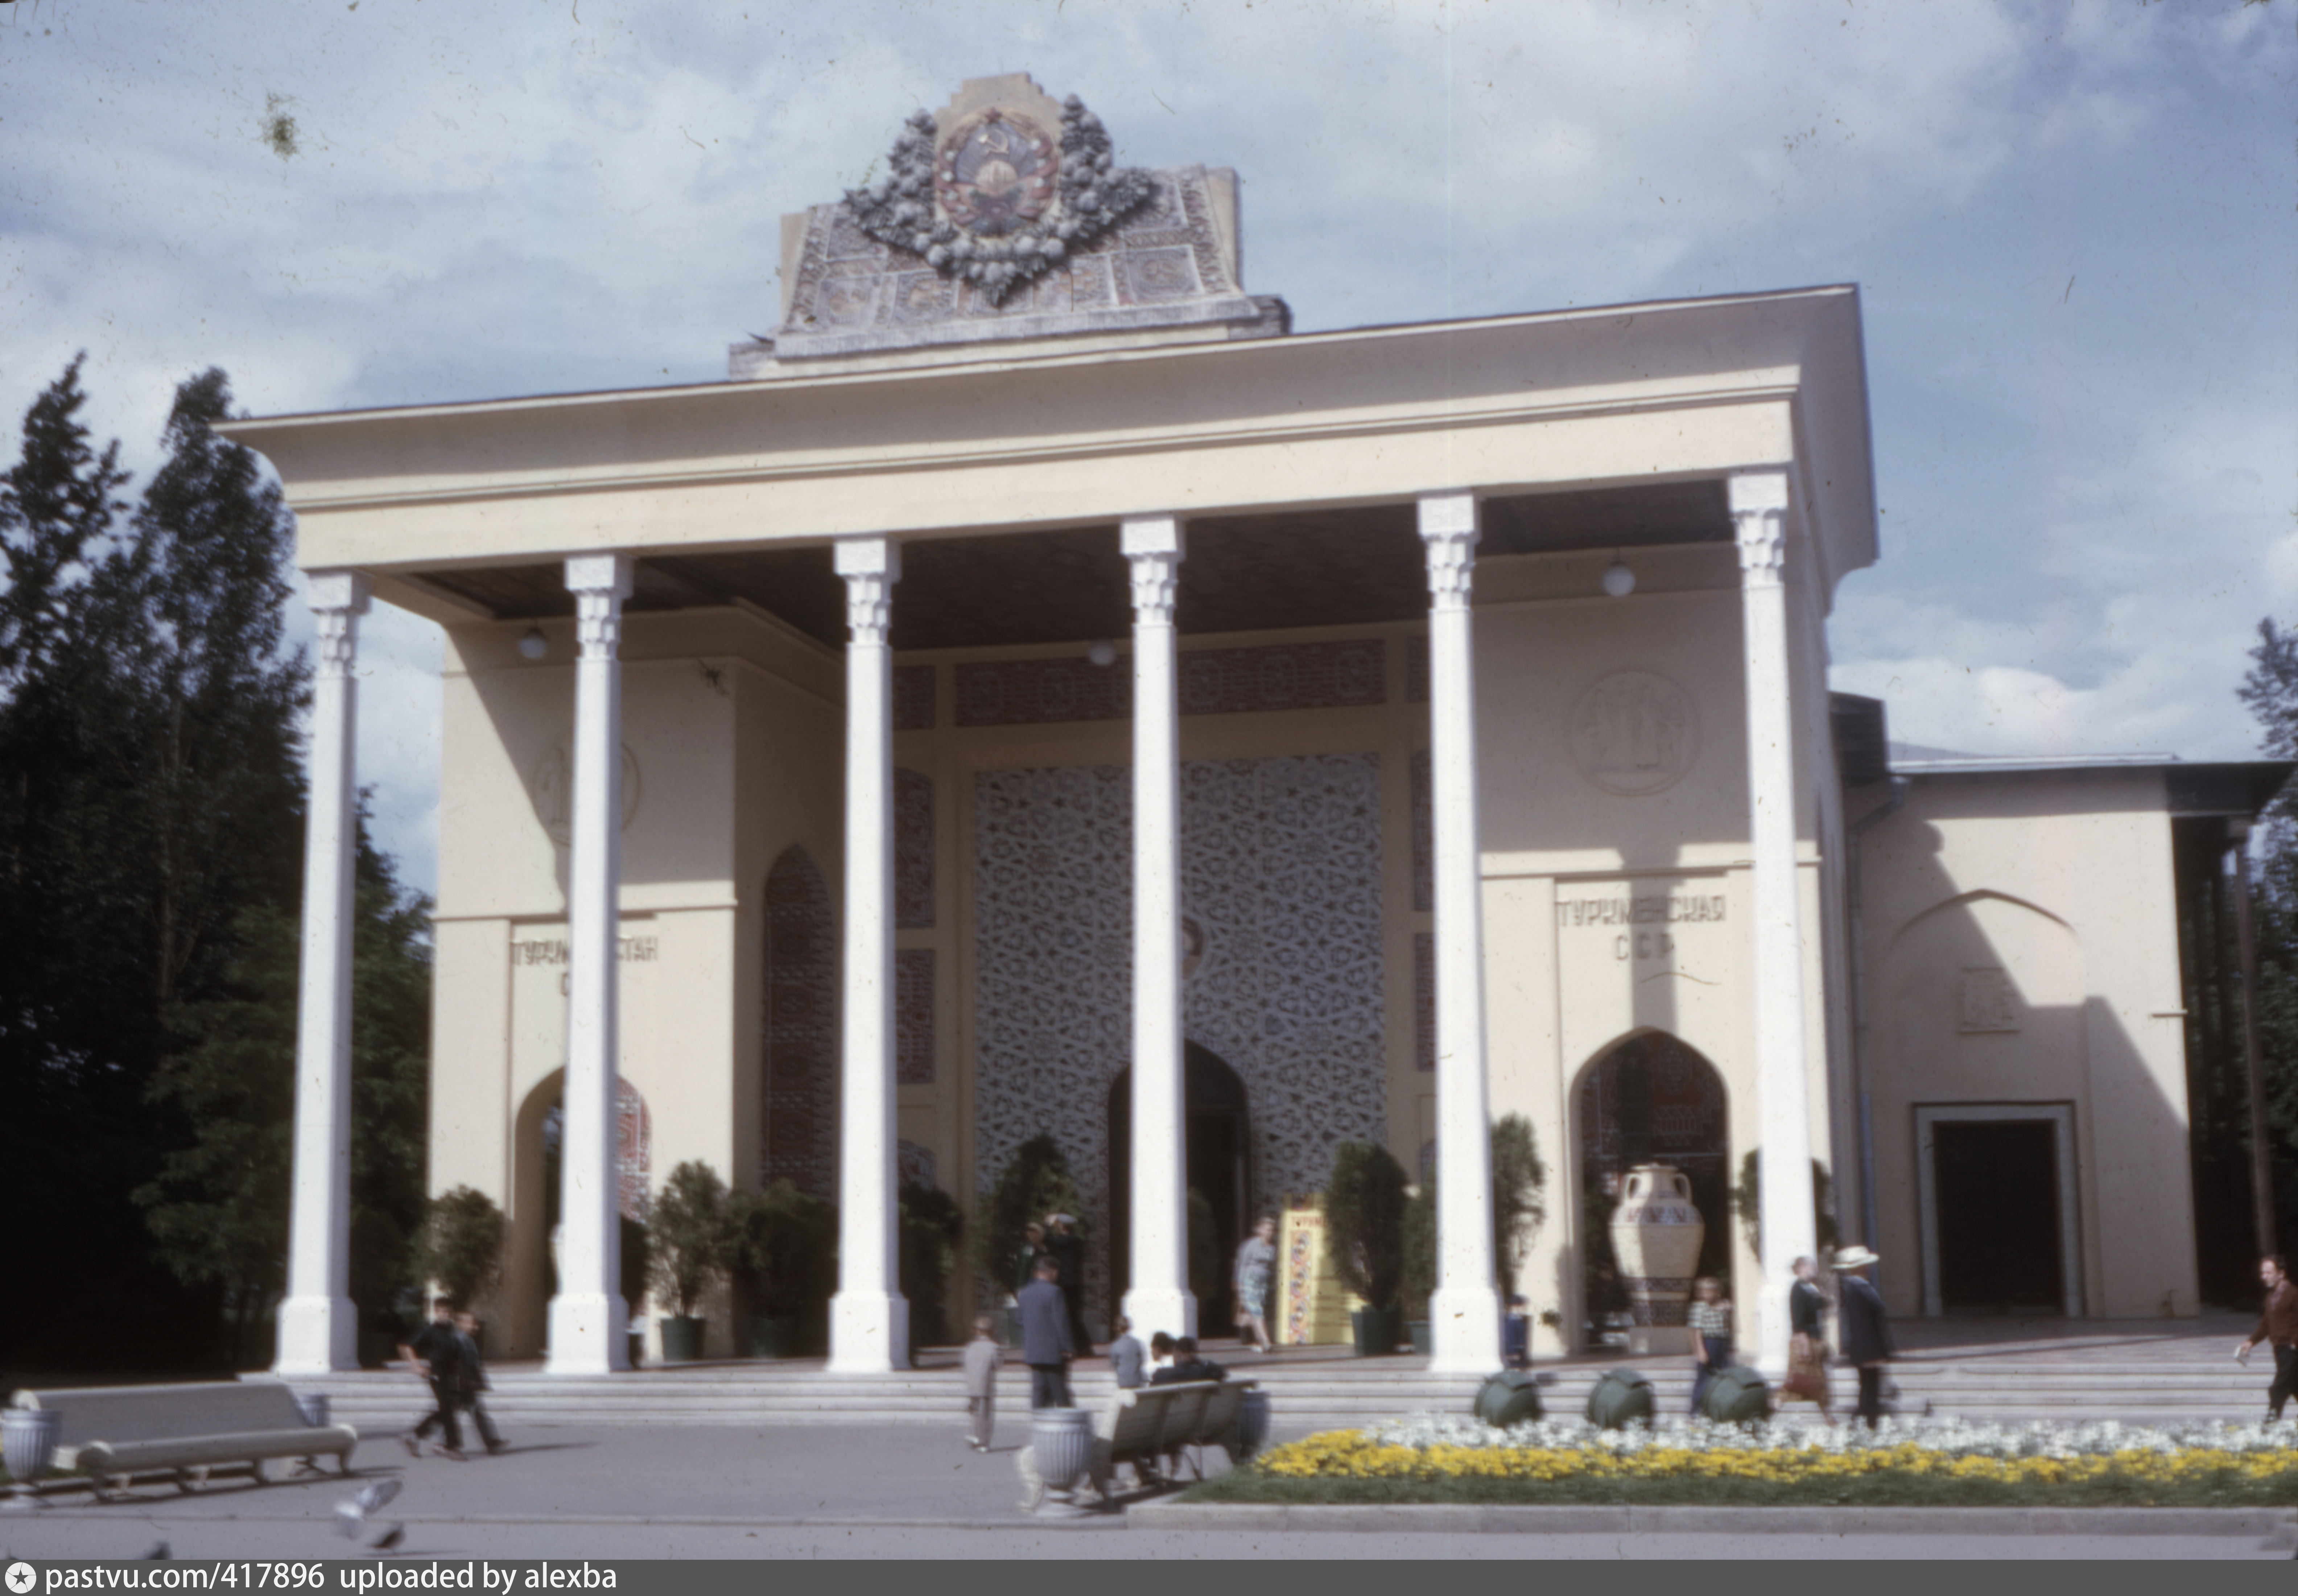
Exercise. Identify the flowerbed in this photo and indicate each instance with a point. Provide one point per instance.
(1946, 1462)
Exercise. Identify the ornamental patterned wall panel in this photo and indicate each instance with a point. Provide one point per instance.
(1424, 836)
(1278, 676)
(913, 850)
(1282, 864)
(1028, 693)
(913, 697)
(633, 1149)
(1416, 669)
(1284, 676)
(1424, 1000)
(914, 1017)
(801, 1027)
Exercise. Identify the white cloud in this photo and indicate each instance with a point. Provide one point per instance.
(2071, 222)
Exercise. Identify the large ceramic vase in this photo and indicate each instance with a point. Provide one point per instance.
(1060, 1444)
(28, 1440)
(1656, 1235)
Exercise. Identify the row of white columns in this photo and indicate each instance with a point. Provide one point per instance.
(868, 1318)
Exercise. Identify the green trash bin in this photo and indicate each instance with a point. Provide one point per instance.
(1622, 1397)
(1509, 1397)
(1736, 1395)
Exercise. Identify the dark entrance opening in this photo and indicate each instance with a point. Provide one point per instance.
(1996, 1183)
(1652, 1099)
(1215, 1157)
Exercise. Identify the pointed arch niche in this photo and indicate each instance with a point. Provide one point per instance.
(1650, 1098)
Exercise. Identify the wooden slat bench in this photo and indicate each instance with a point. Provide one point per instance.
(1148, 1425)
(115, 1434)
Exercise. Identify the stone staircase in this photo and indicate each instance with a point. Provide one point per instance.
(1313, 1389)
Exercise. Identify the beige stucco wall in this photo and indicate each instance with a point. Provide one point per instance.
(2063, 882)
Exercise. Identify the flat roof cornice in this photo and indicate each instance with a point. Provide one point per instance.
(1558, 399)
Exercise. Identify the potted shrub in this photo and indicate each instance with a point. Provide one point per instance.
(1364, 1238)
(931, 1223)
(1035, 1182)
(785, 1258)
(459, 1246)
(1419, 1264)
(688, 1252)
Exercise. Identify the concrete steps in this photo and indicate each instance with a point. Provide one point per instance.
(1305, 1396)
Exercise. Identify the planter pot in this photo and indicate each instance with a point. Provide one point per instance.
(1511, 1397)
(1252, 1415)
(681, 1339)
(1375, 1330)
(314, 1410)
(774, 1335)
(1424, 1339)
(1622, 1397)
(1736, 1396)
(1061, 1442)
(1655, 1234)
(28, 1440)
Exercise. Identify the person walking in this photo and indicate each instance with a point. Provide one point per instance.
(1045, 1343)
(1866, 1329)
(436, 1353)
(982, 1357)
(1256, 1268)
(2277, 1327)
(1711, 1335)
(1128, 1360)
(1807, 1339)
(471, 1379)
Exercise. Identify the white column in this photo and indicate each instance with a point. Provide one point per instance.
(318, 1328)
(869, 1321)
(1159, 1298)
(1464, 1312)
(1759, 505)
(588, 1316)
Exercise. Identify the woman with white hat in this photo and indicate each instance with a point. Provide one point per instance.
(1866, 1330)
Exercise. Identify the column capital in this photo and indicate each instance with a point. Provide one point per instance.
(871, 566)
(344, 591)
(606, 575)
(1448, 526)
(1759, 506)
(1154, 546)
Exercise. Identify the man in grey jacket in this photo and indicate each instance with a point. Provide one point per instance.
(1045, 1345)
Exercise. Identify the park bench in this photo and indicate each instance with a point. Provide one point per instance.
(1151, 1427)
(116, 1433)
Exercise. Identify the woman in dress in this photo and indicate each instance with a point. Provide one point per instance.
(1806, 1340)
(1256, 1267)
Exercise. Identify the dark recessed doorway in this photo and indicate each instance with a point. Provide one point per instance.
(1215, 1156)
(1997, 1185)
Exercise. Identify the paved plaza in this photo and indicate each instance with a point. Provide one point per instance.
(612, 1491)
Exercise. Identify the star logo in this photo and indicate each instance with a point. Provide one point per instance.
(21, 1577)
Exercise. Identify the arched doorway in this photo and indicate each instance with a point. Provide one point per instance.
(1216, 1157)
(536, 1195)
(1650, 1099)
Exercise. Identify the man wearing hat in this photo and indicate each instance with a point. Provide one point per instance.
(1866, 1330)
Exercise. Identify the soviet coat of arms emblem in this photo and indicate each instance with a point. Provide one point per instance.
(996, 199)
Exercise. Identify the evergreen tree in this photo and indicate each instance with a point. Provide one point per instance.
(151, 829)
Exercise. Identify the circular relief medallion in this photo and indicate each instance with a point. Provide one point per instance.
(996, 172)
(551, 788)
(1634, 732)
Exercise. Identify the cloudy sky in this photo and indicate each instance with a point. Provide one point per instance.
(2073, 227)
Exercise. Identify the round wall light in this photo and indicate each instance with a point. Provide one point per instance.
(534, 645)
(1618, 580)
(1103, 652)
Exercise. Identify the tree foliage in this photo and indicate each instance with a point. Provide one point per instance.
(459, 1246)
(691, 1241)
(151, 829)
(1035, 1182)
(1364, 1221)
